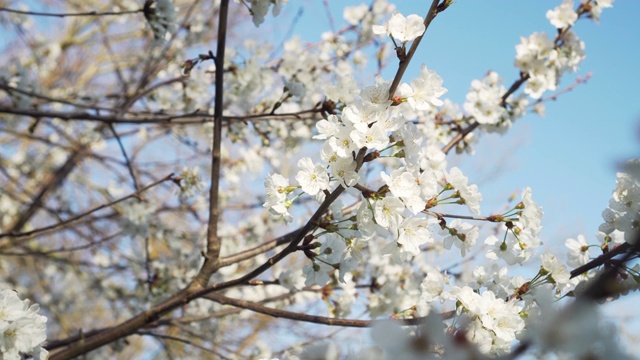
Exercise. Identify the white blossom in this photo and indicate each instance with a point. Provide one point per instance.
(426, 90)
(292, 279)
(531, 214)
(344, 170)
(433, 286)
(484, 99)
(388, 212)
(413, 233)
(260, 8)
(22, 329)
(578, 251)
(510, 250)
(598, 6)
(495, 323)
(277, 188)
(317, 272)
(468, 193)
(312, 178)
(555, 269)
(190, 181)
(405, 185)
(354, 14)
(373, 137)
(342, 144)
(402, 28)
(327, 127)
(462, 234)
(563, 15)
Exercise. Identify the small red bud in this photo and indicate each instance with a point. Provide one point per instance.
(371, 156)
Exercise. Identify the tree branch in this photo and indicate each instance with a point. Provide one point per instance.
(212, 255)
(248, 254)
(126, 158)
(601, 260)
(404, 63)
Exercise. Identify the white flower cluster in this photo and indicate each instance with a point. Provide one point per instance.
(374, 123)
(278, 188)
(522, 236)
(494, 322)
(259, 9)
(556, 272)
(563, 15)
(545, 63)
(468, 194)
(623, 213)
(484, 99)
(383, 253)
(366, 123)
(136, 217)
(190, 182)
(332, 255)
(488, 313)
(425, 91)
(22, 329)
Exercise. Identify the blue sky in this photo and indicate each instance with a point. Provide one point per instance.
(570, 156)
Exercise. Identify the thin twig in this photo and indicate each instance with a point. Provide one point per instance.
(178, 339)
(46, 229)
(91, 244)
(323, 320)
(327, 10)
(248, 254)
(61, 15)
(126, 157)
(182, 119)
